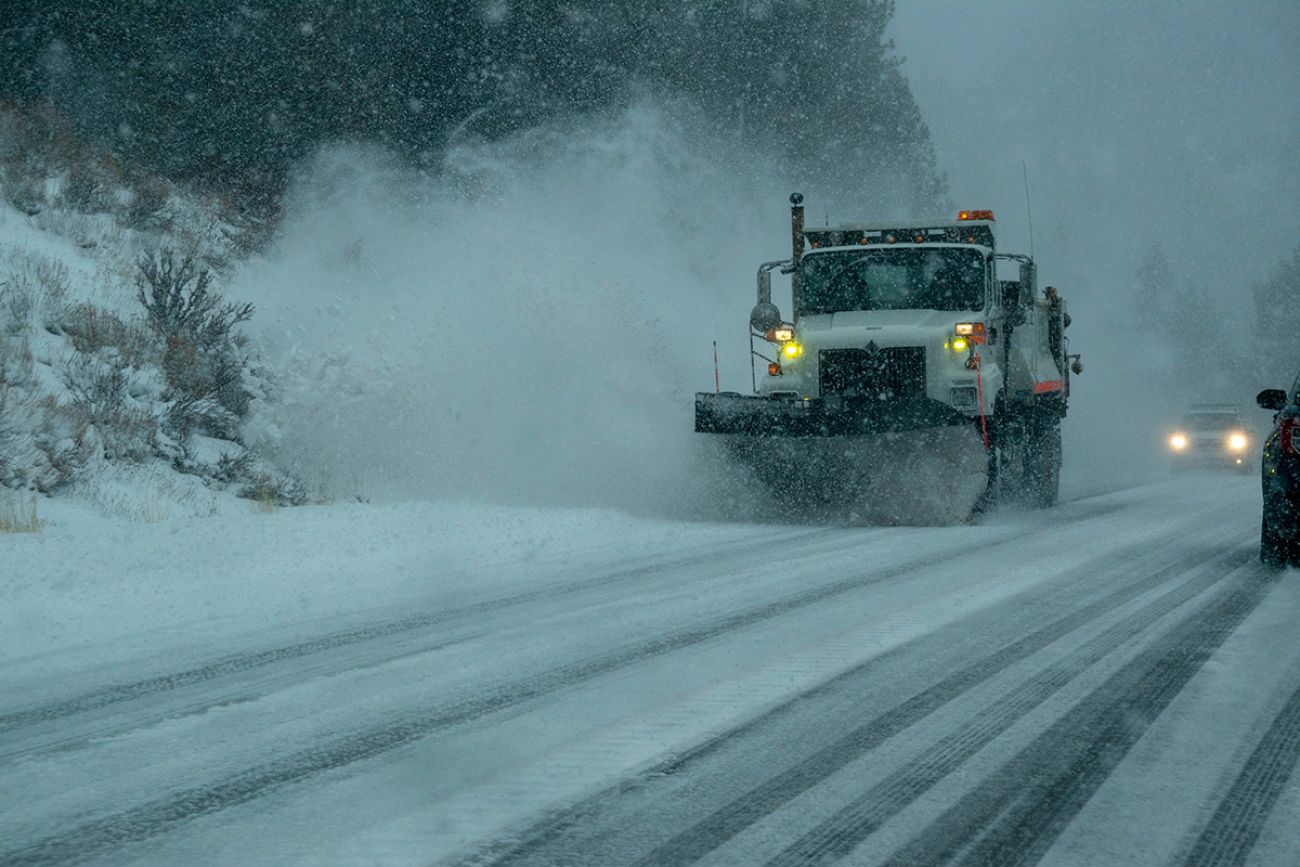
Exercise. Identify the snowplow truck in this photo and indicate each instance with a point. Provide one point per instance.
(909, 382)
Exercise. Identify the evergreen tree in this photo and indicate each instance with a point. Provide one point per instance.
(231, 95)
(1277, 321)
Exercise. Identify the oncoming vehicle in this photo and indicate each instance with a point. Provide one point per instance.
(1211, 435)
(1279, 542)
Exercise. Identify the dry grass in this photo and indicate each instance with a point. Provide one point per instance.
(265, 500)
(18, 515)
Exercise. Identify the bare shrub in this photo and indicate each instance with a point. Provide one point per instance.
(51, 276)
(231, 468)
(17, 298)
(26, 193)
(60, 447)
(201, 414)
(99, 399)
(33, 282)
(93, 329)
(149, 208)
(177, 296)
(202, 358)
(269, 490)
(86, 189)
(98, 389)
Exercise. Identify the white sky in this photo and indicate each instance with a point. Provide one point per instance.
(1174, 121)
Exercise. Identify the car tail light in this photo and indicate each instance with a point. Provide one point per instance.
(1288, 436)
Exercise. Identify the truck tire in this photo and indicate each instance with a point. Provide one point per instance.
(1042, 473)
(1010, 457)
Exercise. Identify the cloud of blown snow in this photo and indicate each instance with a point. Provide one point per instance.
(530, 325)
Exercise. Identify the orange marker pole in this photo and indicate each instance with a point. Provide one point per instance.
(717, 381)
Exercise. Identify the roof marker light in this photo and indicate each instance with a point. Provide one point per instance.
(974, 215)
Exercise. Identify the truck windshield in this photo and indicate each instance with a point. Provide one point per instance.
(896, 278)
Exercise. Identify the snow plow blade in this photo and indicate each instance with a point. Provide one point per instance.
(914, 462)
(758, 416)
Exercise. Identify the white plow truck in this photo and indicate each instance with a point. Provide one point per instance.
(910, 383)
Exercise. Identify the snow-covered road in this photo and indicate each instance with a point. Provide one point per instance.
(1114, 681)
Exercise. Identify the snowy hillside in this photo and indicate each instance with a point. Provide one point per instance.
(124, 378)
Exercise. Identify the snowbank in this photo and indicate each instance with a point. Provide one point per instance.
(111, 590)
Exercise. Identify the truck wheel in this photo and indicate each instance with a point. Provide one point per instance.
(1011, 449)
(1043, 465)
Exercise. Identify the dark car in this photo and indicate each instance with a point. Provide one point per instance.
(1280, 535)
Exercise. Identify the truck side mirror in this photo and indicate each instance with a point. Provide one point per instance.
(764, 317)
(1271, 398)
(1010, 294)
(1029, 278)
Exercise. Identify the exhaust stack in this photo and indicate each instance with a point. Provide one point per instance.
(796, 250)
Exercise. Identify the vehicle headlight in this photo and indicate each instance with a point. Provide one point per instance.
(1178, 442)
(1237, 442)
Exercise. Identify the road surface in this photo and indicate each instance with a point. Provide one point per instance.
(1113, 681)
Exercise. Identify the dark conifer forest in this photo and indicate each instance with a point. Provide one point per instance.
(227, 96)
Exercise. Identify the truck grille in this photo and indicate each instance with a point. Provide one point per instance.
(883, 374)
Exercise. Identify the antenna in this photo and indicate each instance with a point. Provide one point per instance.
(1024, 170)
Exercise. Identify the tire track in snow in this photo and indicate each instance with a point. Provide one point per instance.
(534, 844)
(836, 837)
(1240, 817)
(237, 664)
(225, 667)
(1015, 815)
(96, 837)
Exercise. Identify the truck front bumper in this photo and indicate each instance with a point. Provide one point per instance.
(762, 416)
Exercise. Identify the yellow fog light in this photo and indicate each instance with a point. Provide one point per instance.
(792, 350)
(1178, 442)
(959, 344)
(1237, 442)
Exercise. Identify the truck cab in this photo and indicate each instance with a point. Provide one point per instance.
(888, 312)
